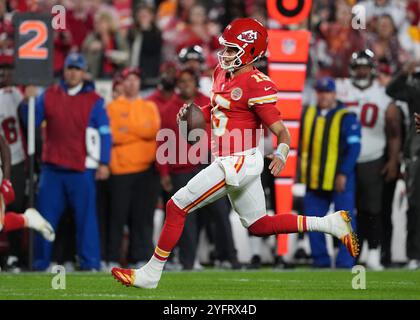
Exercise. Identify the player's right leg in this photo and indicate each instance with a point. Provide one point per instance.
(248, 200)
(207, 186)
(337, 224)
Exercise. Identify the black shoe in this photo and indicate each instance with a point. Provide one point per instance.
(301, 254)
(281, 264)
(12, 265)
(255, 262)
(235, 264)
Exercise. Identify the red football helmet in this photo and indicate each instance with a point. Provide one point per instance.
(249, 37)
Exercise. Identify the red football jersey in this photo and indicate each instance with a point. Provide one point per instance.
(239, 106)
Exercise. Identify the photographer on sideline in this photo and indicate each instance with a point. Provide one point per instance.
(405, 86)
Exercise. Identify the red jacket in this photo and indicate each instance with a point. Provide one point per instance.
(159, 99)
(182, 163)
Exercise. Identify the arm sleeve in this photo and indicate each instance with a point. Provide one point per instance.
(268, 113)
(39, 110)
(100, 121)
(350, 138)
(262, 99)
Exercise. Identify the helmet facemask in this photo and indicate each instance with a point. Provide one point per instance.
(362, 81)
(227, 61)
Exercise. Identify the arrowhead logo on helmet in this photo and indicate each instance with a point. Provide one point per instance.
(248, 36)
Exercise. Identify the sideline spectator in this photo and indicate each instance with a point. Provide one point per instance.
(376, 8)
(145, 42)
(332, 180)
(105, 49)
(10, 99)
(171, 24)
(379, 119)
(198, 31)
(336, 42)
(385, 43)
(79, 23)
(134, 184)
(77, 147)
(193, 58)
(117, 86)
(405, 86)
(384, 76)
(166, 86)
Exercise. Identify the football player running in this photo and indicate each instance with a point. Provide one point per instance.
(242, 99)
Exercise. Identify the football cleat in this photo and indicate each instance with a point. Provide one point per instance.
(342, 229)
(144, 277)
(124, 276)
(35, 221)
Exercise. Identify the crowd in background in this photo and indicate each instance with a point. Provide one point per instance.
(141, 46)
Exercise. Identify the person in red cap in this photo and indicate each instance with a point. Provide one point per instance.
(117, 86)
(134, 183)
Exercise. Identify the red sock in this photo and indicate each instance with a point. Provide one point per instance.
(280, 223)
(13, 221)
(171, 231)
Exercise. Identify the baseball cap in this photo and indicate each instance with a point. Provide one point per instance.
(130, 70)
(116, 80)
(75, 60)
(325, 84)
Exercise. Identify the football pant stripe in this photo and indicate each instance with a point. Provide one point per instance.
(217, 187)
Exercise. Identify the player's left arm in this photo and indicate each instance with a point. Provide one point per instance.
(263, 93)
(393, 138)
(270, 117)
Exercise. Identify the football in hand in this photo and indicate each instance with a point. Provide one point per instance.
(193, 119)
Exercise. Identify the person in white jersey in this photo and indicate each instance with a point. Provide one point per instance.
(10, 98)
(378, 116)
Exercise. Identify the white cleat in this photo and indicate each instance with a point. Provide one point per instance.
(140, 278)
(340, 227)
(37, 222)
(373, 261)
(146, 278)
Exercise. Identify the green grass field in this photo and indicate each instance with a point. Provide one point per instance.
(222, 285)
